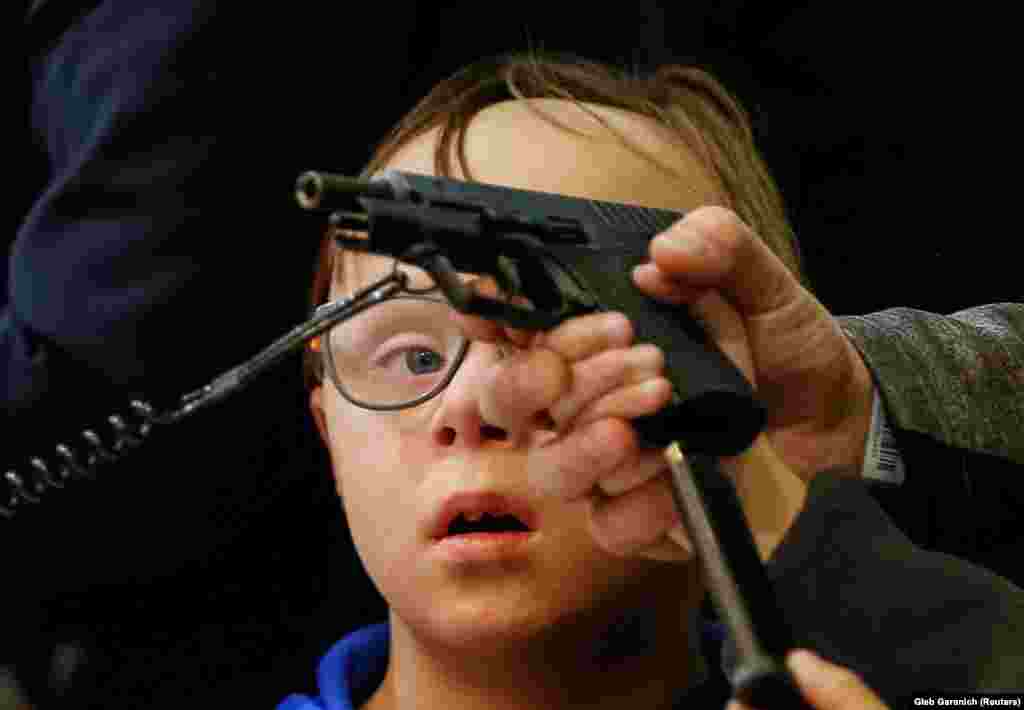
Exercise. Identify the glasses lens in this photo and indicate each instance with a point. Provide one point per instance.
(395, 352)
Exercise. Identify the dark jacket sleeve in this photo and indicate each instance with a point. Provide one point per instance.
(146, 267)
(952, 391)
(166, 245)
(957, 378)
(860, 593)
(165, 248)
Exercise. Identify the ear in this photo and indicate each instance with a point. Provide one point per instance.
(316, 406)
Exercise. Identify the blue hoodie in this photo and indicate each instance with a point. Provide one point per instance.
(349, 672)
(354, 667)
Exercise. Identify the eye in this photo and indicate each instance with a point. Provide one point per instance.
(422, 361)
(407, 360)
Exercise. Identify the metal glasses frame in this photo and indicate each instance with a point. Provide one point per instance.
(331, 371)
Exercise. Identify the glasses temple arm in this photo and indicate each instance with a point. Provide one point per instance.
(323, 318)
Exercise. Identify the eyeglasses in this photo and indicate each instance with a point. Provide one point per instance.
(396, 354)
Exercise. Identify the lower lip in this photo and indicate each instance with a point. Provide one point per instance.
(482, 547)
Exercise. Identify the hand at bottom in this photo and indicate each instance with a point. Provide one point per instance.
(826, 686)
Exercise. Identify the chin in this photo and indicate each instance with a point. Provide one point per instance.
(483, 626)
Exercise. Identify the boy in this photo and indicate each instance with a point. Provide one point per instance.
(536, 427)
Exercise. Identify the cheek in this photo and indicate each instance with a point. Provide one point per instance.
(376, 474)
(374, 446)
(360, 446)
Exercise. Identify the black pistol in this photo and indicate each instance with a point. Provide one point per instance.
(570, 256)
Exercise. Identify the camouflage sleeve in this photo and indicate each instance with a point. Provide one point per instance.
(957, 378)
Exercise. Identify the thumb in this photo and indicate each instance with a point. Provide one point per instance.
(713, 248)
(830, 687)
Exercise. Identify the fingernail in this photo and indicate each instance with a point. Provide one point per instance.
(655, 385)
(640, 271)
(678, 535)
(804, 663)
(646, 357)
(617, 324)
(683, 243)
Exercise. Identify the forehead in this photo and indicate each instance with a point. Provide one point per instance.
(508, 144)
(357, 270)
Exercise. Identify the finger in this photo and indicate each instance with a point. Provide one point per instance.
(673, 546)
(600, 374)
(627, 523)
(712, 248)
(630, 402)
(514, 390)
(569, 466)
(657, 283)
(583, 336)
(827, 686)
(642, 467)
(737, 705)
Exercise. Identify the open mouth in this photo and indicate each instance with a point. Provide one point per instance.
(485, 523)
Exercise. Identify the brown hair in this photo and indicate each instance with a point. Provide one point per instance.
(688, 101)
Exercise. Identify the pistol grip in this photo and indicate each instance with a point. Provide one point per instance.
(714, 409)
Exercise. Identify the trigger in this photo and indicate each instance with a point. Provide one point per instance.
(507, 275)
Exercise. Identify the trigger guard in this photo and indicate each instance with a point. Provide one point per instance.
(465, 299)
(507, 275)
(510, 314)
(539, 276)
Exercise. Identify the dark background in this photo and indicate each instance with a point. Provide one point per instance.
(891, 128)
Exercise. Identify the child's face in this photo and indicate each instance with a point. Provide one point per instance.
(394, 469)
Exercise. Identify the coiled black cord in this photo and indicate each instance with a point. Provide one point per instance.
(77, 460)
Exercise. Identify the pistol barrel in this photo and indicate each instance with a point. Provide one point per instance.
(319, 190)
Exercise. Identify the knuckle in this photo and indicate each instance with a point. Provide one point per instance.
(587, 454)
(606, 372)
(580, 337)
(638, 470)
(534, 382)
(590, 451)
(604, 445)
(596, 377)
(549, 371)
(605, 383)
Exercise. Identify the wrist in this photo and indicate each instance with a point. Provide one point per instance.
(856, 426)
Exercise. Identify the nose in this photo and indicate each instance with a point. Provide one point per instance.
(458, 421)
